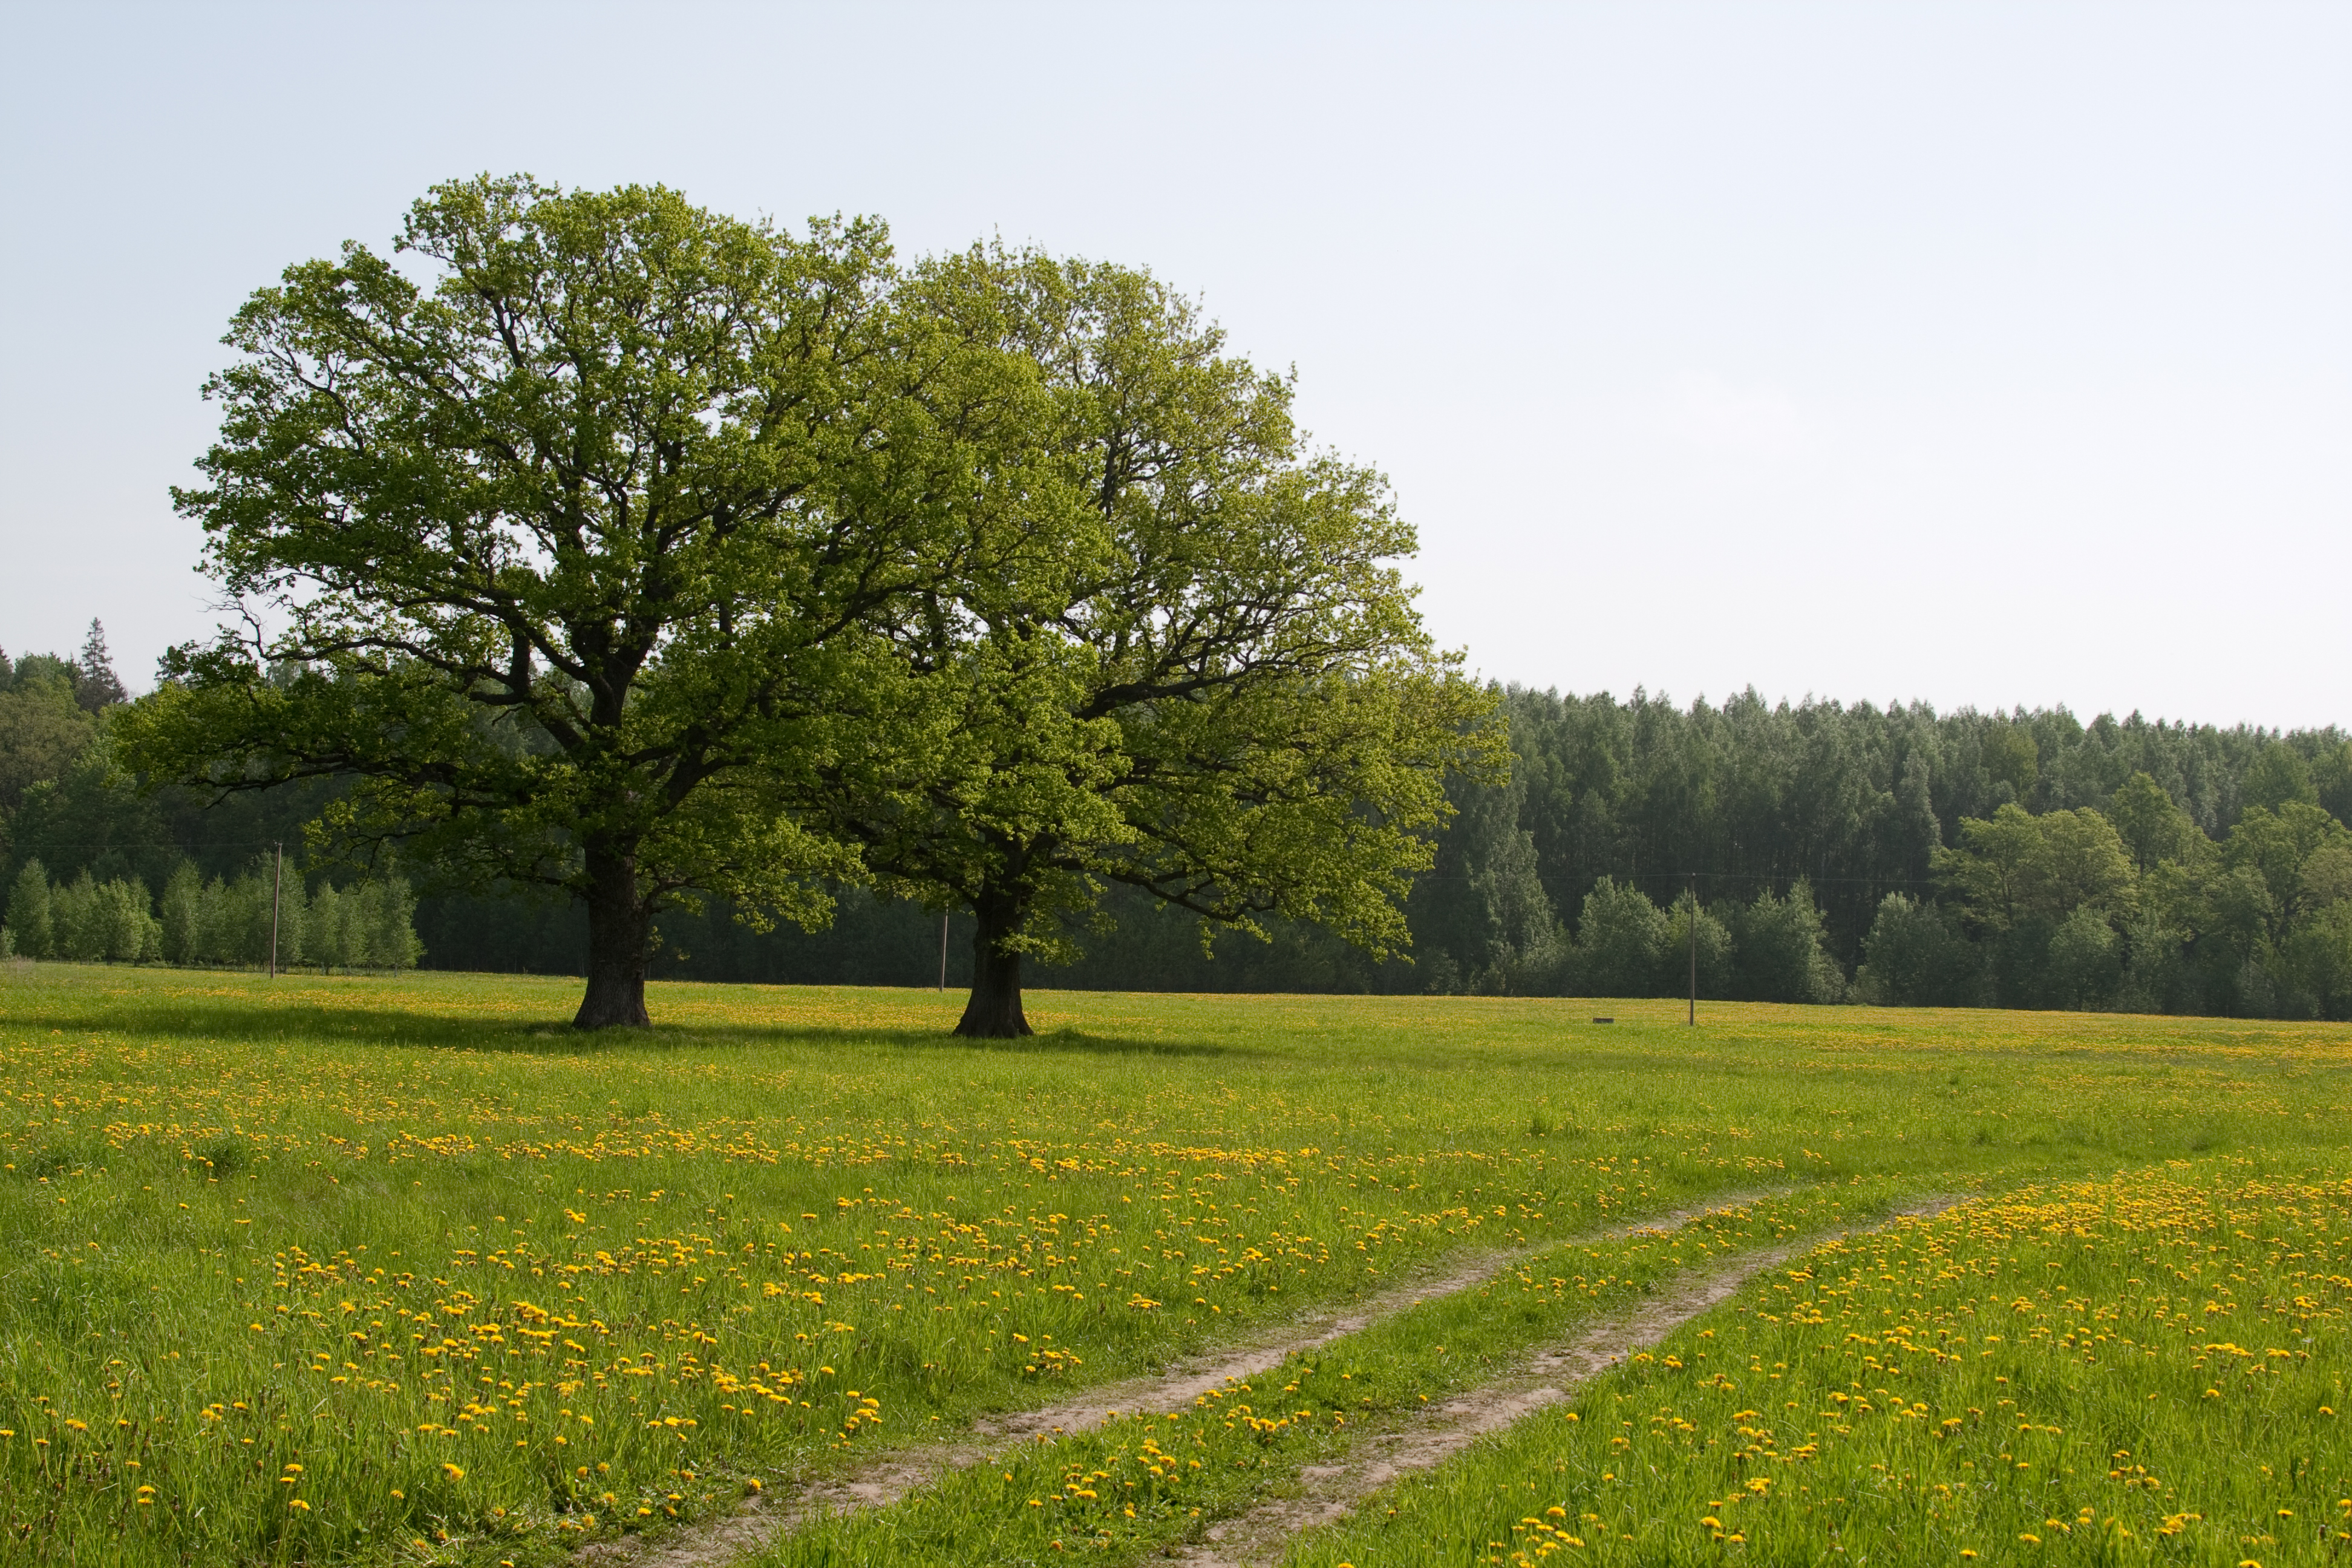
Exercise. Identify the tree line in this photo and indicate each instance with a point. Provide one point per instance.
(1826, 852)
(1895, 855)
(258, 919)
(146, 878)
(1886, 855)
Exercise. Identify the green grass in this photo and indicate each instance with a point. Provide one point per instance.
(2144, 1369)
(1144, 1482)
(496, 1288)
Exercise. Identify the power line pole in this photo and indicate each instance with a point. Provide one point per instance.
(1694, 949)
(276, 881)
(943, 952)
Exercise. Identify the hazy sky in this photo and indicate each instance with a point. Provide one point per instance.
(1975, 354)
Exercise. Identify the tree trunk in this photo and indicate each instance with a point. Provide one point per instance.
(994, 1013)
(619, 934)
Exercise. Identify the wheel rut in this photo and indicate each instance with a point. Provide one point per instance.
(1330, 1493)
(889, 1476)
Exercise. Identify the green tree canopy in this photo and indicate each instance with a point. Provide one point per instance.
(1709, 949)
(1621, 941)
(28, 918)
(2011, 757)
(1916, 955)
(2012, 866)
(1781, 955)
(2298, 852)
(1992, 868)
(1207, 682)
(564, 529)
(2152, 828)
(43, 732)
(2280, 777)
(2082, 865)
(2331, 776)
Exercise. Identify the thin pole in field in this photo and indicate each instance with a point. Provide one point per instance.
(1694, 949)
(943, 952)
(276, 880)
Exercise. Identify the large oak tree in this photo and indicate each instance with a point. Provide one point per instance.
(564, 529)
(1211, 685)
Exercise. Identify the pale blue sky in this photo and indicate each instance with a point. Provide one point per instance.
(1979, 353)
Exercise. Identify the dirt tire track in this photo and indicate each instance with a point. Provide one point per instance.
(1331, 1493)
(891, 1476)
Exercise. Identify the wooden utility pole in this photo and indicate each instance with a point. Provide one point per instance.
(943, 952)
(276, 881)
(1694, 949)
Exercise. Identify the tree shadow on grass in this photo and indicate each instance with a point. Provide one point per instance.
(1052, 1042)
(292, 1023)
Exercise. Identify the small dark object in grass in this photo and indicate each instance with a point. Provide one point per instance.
(1604, 1020)
(224, 1155)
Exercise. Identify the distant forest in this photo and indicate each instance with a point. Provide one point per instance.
(1891, 854)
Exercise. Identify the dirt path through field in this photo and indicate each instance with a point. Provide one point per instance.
(892, 1476)
(1330, 1493)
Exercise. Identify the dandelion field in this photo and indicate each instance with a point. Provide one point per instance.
(2053, 1375)
(364, 1270)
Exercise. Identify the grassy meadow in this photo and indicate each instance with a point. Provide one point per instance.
(2146, 1368)
(325, 1270)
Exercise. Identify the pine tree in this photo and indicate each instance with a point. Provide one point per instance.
(96, 685)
